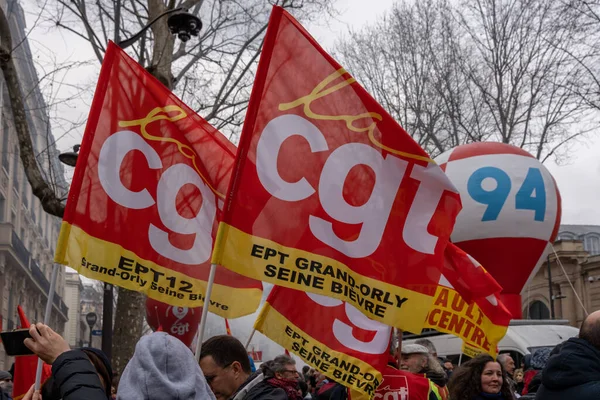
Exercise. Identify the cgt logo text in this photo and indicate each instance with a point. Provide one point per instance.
(393, 388)
(114, 150)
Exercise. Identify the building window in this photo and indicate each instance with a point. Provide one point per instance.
(2, 208)
(25, 196)
(592, 244)
(566, 236)
(538, 310)
(12, 309)
(16, 170)
(5, 152)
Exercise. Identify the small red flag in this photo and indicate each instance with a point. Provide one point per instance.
(25, 366)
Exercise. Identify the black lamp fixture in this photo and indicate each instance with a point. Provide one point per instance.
(70, 157)
(181, 23)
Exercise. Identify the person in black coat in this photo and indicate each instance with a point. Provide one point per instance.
(53, 388)
(574, 373)
(73, 373)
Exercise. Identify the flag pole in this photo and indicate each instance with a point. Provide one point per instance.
(211, 279)
(250, 338)
(38, 372)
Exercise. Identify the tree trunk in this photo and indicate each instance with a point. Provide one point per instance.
(129, 320)
(40, 188)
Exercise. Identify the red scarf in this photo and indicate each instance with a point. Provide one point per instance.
(289, 385)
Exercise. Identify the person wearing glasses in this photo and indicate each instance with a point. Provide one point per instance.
(224, 362)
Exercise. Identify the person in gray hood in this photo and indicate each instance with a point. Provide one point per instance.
(163, 368)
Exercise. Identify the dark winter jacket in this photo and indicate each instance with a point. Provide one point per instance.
(439, 378)
(574, 373)
(257, 388)
(486, 396)
(534, 386)
(76, 378)
(332, 391)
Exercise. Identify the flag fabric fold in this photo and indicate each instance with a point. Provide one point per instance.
(330, 195)
(147, 195)
(343, 344)
(482, 320)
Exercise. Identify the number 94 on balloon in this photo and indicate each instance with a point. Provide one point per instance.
(503, 195)
(491, 186)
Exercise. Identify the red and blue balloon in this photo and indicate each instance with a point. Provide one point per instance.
(511, 212)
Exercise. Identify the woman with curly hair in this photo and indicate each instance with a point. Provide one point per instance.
(481, 378)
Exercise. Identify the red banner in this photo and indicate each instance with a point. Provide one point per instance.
(147, 195)
(330, 194)
(343, 344)
(482, 320)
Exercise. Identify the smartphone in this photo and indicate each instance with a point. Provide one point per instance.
(13, 342)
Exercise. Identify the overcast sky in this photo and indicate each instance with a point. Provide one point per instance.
(578, 179)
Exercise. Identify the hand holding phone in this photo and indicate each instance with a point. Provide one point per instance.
(46, 343)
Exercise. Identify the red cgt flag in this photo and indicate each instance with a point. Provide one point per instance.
(467, 304)
(330, 194)
(344, 345)
(26, 366)
(147, 195)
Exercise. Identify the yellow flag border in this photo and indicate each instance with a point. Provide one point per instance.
(233, 250)
(493, 332)
(102, 258)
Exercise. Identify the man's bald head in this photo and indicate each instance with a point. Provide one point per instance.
(590, 329)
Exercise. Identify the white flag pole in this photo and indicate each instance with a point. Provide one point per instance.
(38, 372)
(250, 338)
(211, 279)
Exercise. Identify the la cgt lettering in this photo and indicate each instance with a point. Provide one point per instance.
(373, 214)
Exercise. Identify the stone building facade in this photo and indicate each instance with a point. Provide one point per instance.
(91, 302)
(28, 235)
(75, 329)
(575, 277)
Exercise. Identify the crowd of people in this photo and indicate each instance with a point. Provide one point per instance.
(162, 367)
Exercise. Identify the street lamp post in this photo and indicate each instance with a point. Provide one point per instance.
(184, 25)
(551, 295)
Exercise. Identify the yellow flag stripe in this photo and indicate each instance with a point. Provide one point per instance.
(105, 261)
(268, 261)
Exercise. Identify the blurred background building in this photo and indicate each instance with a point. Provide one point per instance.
(574, 277)
(28, 235)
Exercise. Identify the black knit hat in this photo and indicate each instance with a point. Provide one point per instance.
(102, 357)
